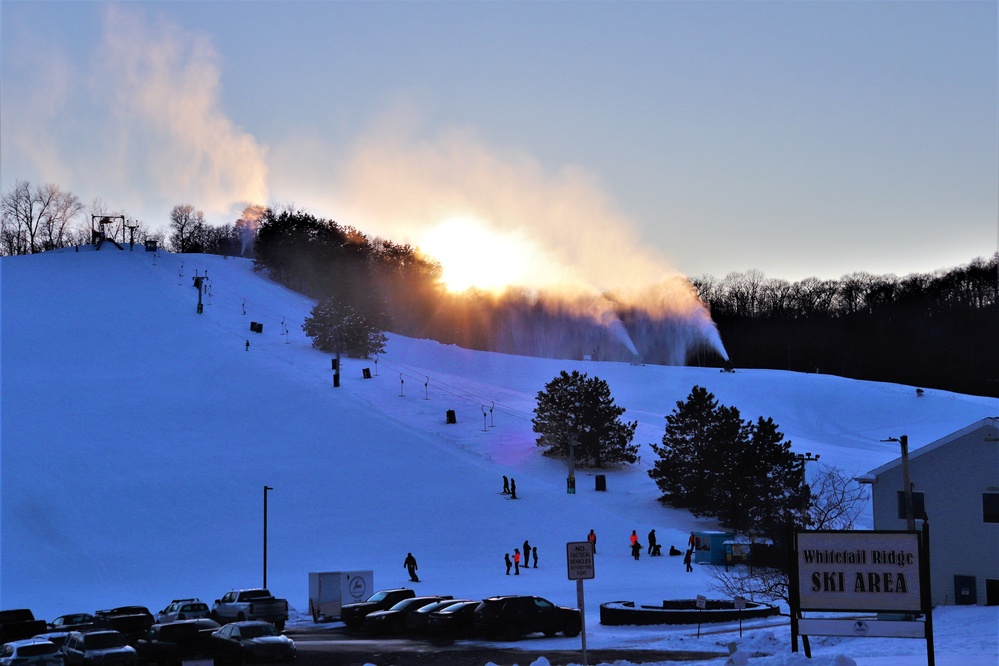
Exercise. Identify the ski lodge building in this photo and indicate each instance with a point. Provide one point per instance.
(955, 484)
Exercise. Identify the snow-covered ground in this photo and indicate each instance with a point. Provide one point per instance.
(137, 437)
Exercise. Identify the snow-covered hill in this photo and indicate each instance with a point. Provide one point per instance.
(137, 437)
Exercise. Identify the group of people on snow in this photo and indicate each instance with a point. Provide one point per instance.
(509, 487)
(529, 551)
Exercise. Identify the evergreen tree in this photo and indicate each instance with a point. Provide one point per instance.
(576, 407)
(713, 463)
(339, 327)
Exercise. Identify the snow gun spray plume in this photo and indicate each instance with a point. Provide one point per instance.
(568, 241)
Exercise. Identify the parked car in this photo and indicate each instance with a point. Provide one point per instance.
(393, 620)
(252, 640)
(30, 652)
(416, 620)
(176, 642)
(454, 621)
(252, 604)
(173, 603)
(99, 646)
(72, 622)
(514, 616)
(183, 609)
(57, 637)
(131, 621)
(353, 615)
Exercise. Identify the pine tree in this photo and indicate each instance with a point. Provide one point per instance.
(578, 408)
(338, 327)
(713, 463)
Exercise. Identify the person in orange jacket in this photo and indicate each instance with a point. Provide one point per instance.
(592, 538)
(516, 561)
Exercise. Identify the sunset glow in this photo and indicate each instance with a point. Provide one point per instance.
(473, 255)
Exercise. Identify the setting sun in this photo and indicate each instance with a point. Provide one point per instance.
(472, 255)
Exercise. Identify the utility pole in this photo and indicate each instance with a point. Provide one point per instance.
(910, 517)
(266, 488)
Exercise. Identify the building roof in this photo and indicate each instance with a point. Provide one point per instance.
(988, 422)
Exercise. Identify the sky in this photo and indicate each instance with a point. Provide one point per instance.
(557, 142)
(137, 437)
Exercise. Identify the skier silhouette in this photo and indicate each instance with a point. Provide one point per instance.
(410, 564)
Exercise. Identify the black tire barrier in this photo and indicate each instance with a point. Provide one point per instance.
(681, 611)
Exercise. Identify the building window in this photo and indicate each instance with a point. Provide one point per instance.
(918, 508)
(990, 507)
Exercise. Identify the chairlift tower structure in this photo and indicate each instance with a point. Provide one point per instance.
(99, 231)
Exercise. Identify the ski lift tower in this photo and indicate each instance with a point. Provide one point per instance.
(131, 226)
(99, 229)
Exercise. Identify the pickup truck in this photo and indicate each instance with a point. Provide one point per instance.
(251, 604)
(19, 623)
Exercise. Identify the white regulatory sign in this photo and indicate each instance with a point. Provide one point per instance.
(579, 560)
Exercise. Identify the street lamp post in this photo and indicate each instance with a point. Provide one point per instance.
(805, 458)
(266, 488)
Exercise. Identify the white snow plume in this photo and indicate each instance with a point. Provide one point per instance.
(667, 320)
(404, 186)
(165, 119)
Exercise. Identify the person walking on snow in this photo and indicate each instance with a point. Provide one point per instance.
(686, 560)
(652, 541)
(534, 550)
(633, 537)
(506, 558)
(506, 486)
(410, 564)
(527, 554)
(592, 538)
(513, 488)
(516, 561)
(636, 549)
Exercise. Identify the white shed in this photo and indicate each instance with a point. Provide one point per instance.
(955, 481)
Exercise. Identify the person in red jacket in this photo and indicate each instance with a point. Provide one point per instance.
(634, 538)
(516, 561)
(592, 538)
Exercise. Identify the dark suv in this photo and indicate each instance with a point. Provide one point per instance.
(353, 615)
(511, 617)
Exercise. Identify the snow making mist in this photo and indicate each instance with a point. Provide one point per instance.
(667, 321)
(576, 278)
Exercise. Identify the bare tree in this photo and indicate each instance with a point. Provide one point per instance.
(36, 219)
(57, 211)
(187, 225)
(19, 222)
(837, 501)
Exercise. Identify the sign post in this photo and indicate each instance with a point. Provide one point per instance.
(702, 603)
(740, 605)
(579, 563)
